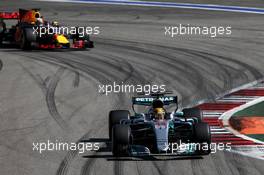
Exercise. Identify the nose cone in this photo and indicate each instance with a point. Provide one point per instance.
(62, 39)
(161, 131)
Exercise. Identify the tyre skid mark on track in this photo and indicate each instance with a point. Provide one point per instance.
(49, 91)
(71, 155)
(43, 85)
(199, 54)
(138, 168)
(255, 73)
(64, 165)
(122, 165)
(87, 69)
(131, 74)
(50, 99)
(38, 79)
(162, 170)
(93, 62)
(221, 75)
(76, 80)
(120, 65)
(87, 167)
(118, 167)
(63, 169)
(60, 62)
(179, 66)
(90, 70)
(1, 64)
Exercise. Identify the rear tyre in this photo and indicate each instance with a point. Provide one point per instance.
(121, 135)
(89, 44)
(202, 137)
(115, 117)
(2, 30)
(27, 37)
(24, 43)
(193, 113)
(2, 26)
(1, 40)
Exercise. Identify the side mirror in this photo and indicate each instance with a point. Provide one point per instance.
(178, 114)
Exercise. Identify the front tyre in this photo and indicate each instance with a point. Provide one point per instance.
(202, 137)
(121, 135)
(115, 117)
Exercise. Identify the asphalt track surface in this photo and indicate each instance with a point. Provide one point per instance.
(54, 94)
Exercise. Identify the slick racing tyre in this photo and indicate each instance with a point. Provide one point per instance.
(121, 135)
(115, 117)
(202, 137)
(193, 113)
(2, 26)
(87, 42)
(27, 37)
(2, 31)
(24, 43)
(1, 40)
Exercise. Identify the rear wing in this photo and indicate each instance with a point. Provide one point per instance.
(9, 15)
(147, 101)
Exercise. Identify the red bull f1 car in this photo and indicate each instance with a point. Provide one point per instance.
(158, 132)
(26, 32)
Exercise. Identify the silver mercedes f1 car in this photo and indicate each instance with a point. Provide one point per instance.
(158, 131)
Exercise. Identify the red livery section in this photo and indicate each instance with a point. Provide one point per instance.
(33, 32)
(219, 106)
(9, 15)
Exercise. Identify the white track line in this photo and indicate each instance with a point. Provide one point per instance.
(170, 5)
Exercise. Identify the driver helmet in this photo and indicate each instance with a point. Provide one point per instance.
(157, 104)
(39, 21)
(159, 113)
